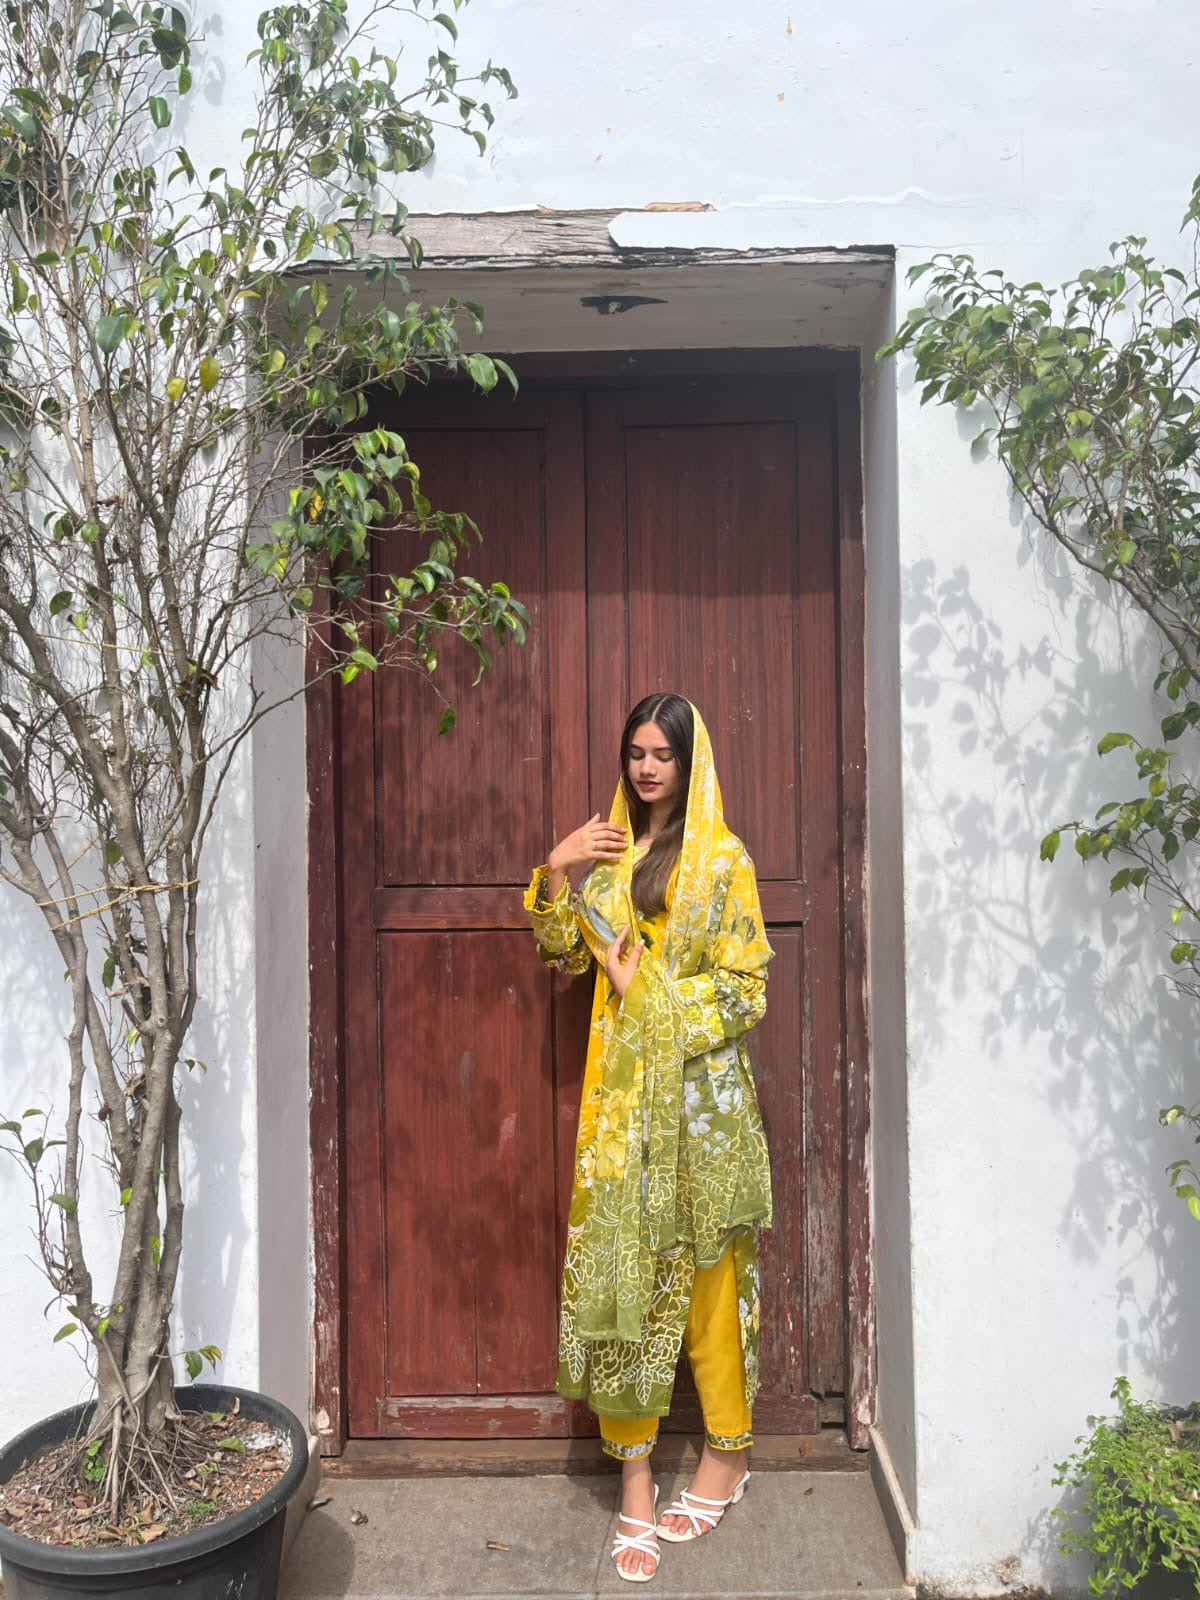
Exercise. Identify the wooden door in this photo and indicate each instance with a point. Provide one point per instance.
(678, 536)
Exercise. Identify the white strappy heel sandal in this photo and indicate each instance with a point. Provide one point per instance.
(645, 1543)
(692, 1506)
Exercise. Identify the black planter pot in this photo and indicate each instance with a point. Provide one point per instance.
(236, 1559)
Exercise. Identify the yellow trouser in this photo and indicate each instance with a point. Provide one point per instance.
(713, 1343)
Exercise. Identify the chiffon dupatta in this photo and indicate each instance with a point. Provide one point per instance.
(631, 1218)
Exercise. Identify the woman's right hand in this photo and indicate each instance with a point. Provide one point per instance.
(595, 841)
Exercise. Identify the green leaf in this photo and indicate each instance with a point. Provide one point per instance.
(20, 122)
(109, 974)
(1194, 1206)
(64, 1201)
(1050, 845)
(1126, 551)
(193, 1363)
(482, 370)
(126, 1196)
(65, 1332)
(1081, 449)
(160, 111)
(110, 330)
(112, 852)
(1111, 741)
(175, 387)
(362, 657)
(448, 720)
(61, 601)
(448, 24)
(210, 372)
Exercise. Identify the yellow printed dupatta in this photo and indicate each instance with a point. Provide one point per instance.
(671, 1158)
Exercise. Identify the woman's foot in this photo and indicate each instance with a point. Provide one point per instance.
(635, 1550)
(717, 1477)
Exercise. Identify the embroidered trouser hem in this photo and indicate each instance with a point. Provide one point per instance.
(712, 1339)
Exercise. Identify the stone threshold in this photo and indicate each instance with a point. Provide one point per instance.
(827, 1451)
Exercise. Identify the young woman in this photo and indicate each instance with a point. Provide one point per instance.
(671, 1169)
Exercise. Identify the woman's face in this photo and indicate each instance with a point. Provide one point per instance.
(653, 769)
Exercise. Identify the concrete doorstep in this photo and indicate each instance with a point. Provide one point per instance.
(794, 1536)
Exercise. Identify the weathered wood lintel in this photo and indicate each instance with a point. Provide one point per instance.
(503, 240)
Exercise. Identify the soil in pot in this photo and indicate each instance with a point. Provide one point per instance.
(241, 1458)
(213, 1464)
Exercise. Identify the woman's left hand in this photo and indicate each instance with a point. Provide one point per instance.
(621, 968)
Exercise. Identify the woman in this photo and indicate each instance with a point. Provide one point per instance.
(671, 1168)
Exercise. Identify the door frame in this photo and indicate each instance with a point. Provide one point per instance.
(325, 932)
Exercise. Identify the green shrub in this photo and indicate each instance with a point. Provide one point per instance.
(1141, 1477)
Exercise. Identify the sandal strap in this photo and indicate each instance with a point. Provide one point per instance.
(644, 1543)
(636, 1522)
(683, 1508)
(702, 1500)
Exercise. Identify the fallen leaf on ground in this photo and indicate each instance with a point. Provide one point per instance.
(494, 1544)
(321, 1500)
(358, 1518)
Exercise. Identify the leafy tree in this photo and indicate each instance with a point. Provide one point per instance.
(188, 463)
(1093, 392)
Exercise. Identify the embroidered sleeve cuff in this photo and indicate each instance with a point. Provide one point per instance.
(554, 926)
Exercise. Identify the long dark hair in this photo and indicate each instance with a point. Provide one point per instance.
(673, 715)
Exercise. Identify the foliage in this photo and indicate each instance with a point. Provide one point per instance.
(1140, 1474)
(191, 462)
(1090, 397)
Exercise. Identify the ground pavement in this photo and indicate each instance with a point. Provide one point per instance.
(797, 1535)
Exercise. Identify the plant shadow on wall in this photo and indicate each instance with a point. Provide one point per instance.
(1067, 975)
(1049, 944)
(1093, 409)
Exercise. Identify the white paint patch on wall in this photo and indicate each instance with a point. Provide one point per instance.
(217, 1299)
(35, 1015)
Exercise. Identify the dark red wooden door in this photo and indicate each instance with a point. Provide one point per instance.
(665, 537)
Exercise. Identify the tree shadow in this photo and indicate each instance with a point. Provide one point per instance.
(1050, 996)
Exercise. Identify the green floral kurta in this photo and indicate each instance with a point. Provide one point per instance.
(671, 1163)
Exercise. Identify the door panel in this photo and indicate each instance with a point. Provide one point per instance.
(460, 810)
(711, 559)
(469, 1196)
(705, 507)
(451, 1102)
(683, 537)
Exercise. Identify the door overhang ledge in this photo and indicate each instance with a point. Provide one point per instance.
(608, 279)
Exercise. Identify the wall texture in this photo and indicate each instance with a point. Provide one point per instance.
(1028, 1246)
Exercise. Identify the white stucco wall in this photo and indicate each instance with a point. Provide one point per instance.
(1027, 1212)
(1028, 1247)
